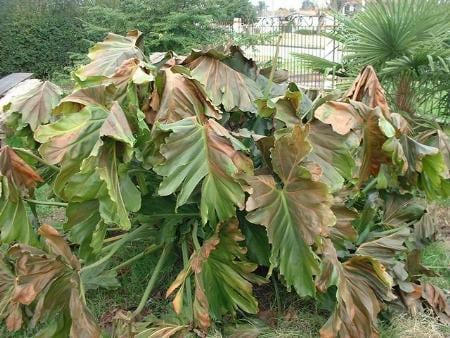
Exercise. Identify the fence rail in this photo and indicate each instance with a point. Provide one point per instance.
(299, 35)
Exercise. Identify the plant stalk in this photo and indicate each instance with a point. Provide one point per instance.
(152, 248)
(184, 250)
(114, 248)
(52, 203)
(37, 158)
(274, 67)
(152, 281)
(194, 236)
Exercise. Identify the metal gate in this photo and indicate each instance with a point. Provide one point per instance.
(298, 34)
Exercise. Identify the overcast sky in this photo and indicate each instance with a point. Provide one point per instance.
(285, 3)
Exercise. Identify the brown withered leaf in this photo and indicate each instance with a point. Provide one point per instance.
(107, 56)
(385, 246)
(368, 90)
(9, 310)
(18, 172)
(426, 294)
(296, 214)
(215, 75)
(51, 278)
(342, 116)
(102, 94)
(363, 285)
(182, 97)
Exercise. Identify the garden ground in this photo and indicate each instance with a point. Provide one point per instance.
(288, 317)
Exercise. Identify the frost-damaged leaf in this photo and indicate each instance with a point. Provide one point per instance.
(385, 245)
(107, 56)
(101, 95)
(16, 170)
(285, 108)
(401, 209)
(34, 100)
(424, 167)
(429, 294)
(123, 195)
(17, 175)
(182, 97)
(368, 90)
(362, 285)
(295, 214)
(332, 152)
(206, 152)
(72, 137)
(50, 279)
(9, 310)
(223, 84)
(370, 123)
(223, 277)
(342, 234)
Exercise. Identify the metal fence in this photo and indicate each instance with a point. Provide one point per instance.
(298, 34)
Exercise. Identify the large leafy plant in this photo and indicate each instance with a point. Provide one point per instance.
(206, 158)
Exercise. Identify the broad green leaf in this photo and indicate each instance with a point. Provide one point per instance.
(82, 220)
(333, 153)
(14, 222)
(362, 285)
(422, 166)
(223, 277)
(225, 85)
(113, 206)
(72, 137)
(34, 100)
(294, 214)
(107, 56)
(285, 108)
(203, 152)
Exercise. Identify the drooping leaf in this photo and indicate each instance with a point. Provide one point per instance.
(14, 222)
(203, 152)
(122, 195)
(333, 153)
(241, 91)
(16, 170)
(72, 137)
(373, 127)
(384, 246)
(223, 277)
(368, 90)
(182, 97)
(9, 310)
(102, 95)
(107, 56)
(362, 286)
(50, 278)
(295, 214)
(401, 209)
(34, 100)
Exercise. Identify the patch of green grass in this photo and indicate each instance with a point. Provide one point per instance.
(436, 256)
(133, 280)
